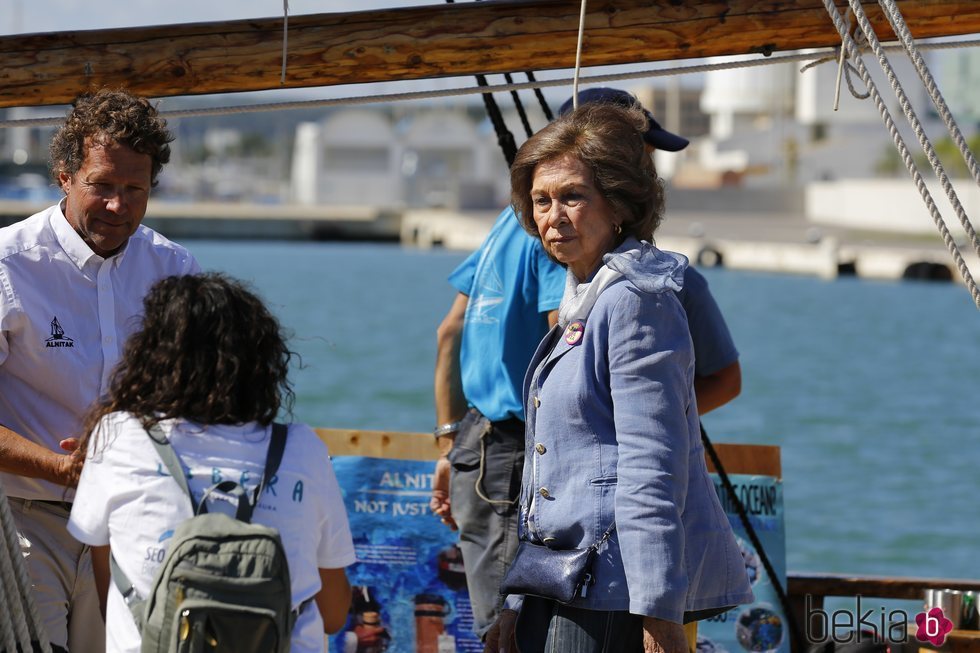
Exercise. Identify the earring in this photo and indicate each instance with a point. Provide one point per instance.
(619, 229)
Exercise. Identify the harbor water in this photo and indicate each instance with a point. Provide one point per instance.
(869, 388)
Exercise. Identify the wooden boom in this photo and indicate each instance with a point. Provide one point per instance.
(427, 42)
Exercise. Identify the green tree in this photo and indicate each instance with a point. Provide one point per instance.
(949, 155)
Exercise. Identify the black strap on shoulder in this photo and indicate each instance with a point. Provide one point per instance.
(273, 457)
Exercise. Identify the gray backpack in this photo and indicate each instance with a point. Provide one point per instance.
(224, 583)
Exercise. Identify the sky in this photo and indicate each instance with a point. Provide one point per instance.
(26, 16)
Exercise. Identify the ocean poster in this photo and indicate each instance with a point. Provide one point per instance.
(759, 627)
(410, 590)
(409, 587)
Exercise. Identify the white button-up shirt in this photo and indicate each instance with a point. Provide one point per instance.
(65, 313)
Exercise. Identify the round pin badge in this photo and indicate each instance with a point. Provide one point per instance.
(574, 332)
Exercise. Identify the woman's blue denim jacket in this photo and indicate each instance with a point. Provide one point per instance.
(613, 434)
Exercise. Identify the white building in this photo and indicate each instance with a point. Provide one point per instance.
(426, 157)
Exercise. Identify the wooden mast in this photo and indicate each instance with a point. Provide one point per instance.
(427, 42)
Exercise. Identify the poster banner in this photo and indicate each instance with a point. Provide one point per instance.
(759, 627)
(409, 587)
(410, 591)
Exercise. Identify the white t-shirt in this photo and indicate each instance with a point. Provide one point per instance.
(65, 313)
(126, 499)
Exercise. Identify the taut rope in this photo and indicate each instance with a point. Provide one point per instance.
(855, 55)
(20, 624)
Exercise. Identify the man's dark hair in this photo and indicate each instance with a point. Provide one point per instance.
(107, 117)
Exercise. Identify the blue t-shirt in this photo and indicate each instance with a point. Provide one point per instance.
(714, 348)
(512, 285)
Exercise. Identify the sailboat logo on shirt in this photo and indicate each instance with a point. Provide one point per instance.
(58, 337)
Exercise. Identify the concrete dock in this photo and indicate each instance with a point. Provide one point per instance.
(240, 221)
(769, 242)
(773, 242)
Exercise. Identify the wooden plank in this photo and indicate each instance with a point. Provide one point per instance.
(883, 587)
(379, 444)
(748, 459)
(737, 458)
(426, 42)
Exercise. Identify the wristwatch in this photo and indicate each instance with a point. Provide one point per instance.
(446, 429)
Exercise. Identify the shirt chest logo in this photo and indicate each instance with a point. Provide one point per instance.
(58, 337)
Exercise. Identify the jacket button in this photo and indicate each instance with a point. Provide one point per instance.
(544, 492)
(537, 402)
(540, 448)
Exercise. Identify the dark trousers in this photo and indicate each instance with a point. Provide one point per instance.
(546, 626)
(487, 463)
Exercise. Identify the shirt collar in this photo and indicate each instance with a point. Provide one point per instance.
(77, 249)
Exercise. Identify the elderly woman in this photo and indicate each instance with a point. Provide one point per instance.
(612, 441)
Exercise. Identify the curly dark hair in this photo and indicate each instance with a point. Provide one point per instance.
(208, 351)
(609, 140)
(109, 116)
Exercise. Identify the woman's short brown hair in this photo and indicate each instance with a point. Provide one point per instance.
(609, 140)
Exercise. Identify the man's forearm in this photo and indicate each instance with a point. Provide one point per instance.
(716, 390)
(20, 456)
(448, 384)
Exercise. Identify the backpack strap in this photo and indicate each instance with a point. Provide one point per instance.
(133, 600)
(273, 457)
(243, 511)
(277, 446)
(169, 457)
(125, 586)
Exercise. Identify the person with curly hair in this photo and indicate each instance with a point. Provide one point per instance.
(72, 281)
(209, 366)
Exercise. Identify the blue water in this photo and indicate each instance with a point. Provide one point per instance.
(869, 388)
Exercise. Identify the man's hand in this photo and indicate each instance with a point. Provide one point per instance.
(69, 466)
(439, 503)
(661, 636)
(69, 444)
(500, 637)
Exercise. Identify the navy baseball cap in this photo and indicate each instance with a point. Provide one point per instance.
(655, 135)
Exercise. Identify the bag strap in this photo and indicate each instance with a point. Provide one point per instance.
(605, 536)
(273, 458)
(132, 598)
(170, 460)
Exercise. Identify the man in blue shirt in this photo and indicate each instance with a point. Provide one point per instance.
(508, 296)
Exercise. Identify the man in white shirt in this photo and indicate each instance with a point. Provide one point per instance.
(72, 281)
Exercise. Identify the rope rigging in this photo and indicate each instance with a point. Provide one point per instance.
(914, 121)
(901, 28)
(20, 624)
(854, 54)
